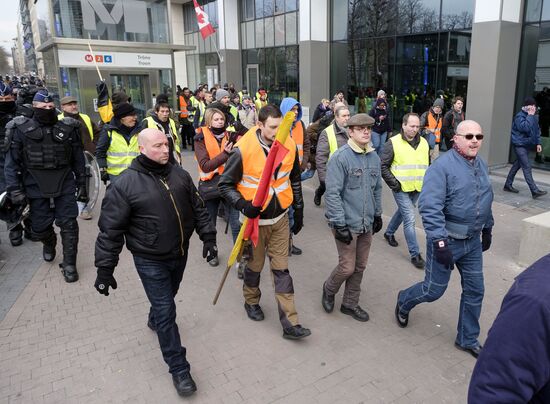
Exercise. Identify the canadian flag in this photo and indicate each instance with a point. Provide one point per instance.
(202, 19)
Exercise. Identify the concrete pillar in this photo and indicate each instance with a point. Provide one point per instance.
(178, 37)
(228, 26)
(314, 56)
(494, 58)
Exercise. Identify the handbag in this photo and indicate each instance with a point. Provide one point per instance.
(209, 189)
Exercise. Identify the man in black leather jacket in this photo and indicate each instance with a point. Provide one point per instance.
(155, 206)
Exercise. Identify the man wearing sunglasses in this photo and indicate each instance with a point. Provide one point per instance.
(455, 205)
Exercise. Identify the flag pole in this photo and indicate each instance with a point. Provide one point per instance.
(93, 56)
(217, 50)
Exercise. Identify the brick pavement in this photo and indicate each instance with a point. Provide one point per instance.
(62, 343)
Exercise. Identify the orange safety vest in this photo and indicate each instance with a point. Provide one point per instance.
(254, 159)
(298, 137)
(183, 107)
(213, 148)
(435, 126)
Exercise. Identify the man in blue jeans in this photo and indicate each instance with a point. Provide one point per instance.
(455, 205)
(525, 136)
(404, 160)
(155, 206)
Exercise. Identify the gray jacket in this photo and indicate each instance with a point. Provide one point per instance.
(354, 190)
(323, 149)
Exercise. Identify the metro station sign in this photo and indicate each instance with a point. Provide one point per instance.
(83, 58)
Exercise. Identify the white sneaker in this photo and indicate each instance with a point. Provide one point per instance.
(85, 215)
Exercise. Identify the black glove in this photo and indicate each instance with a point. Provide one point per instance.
(105, 279)
(377, 224)
(248, 209)
(443, 254)
(343, 234)
(298, 220)
(82, 194)
(209, 250)
(18, 197)
(486, 239)
(104, 175)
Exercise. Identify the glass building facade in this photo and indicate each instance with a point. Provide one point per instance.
(409, 48)
(534, 71)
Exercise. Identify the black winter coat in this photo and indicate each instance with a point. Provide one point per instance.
(156, 215)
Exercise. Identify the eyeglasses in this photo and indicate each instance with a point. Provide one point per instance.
(470, 136)
(363, 128)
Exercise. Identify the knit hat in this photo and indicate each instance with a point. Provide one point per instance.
(380, 93)
(123, 109)
(438, 103)
(529, 101)
(247, 97)
(43, 96)
(220, 93)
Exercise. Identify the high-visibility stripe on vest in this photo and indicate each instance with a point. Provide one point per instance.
(435, 126)
(87, 122)
(200, 107)
(259, 104)
(409, 164)
(253, 160)
(298, 137)
(183, 107)
(120, 154)
(214, 149)
(331, 137)
(151, 123)
(234, 111)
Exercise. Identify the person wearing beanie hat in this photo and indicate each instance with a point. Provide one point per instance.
(45, 167)
(353, 201)
(223, 103)
(431, 122)
(221, 94)
(118, 143)
(525, 137)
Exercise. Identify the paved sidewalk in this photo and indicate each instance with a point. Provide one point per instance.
(65, 343)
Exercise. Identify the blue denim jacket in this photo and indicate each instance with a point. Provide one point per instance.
(354, 189)
(525, 130)
(456, 198)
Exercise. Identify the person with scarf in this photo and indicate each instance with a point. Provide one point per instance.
(154, 207)
(213, 144)
(455, 205)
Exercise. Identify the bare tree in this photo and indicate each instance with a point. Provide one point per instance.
(4, 61)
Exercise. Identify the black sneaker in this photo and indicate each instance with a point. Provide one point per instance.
(357, 313)
(538, 193)
(391, 240)
(295, 250)
(474, 350)
(402, 320)
(509, 188)
(418, 261)
(254, 312)
(184, 384)
(327, 301)
(317, 199)
(296, 332)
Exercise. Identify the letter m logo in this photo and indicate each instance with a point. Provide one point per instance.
(133, 11)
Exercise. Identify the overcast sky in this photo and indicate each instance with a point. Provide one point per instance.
(8, 23)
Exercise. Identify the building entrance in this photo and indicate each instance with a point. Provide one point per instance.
(136, 86)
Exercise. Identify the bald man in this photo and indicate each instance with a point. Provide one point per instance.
(155, 206)
(455, 205)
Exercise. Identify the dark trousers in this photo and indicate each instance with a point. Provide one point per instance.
(161, 281)
(522, 161)
(231, 214)
(42, 214)
(187, 135)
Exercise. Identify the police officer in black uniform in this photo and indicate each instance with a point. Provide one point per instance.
(45, 164)
(8, 111)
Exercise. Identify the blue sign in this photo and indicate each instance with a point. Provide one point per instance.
(107, 59)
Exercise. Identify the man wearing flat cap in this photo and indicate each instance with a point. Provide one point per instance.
(45, 166)
(118, 143)
(354, 211)
(89, 133)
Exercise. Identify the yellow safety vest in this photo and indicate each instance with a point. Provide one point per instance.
(120, 154)
(409, 164)
(151, 123)
(87, 122)
(331, 137)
